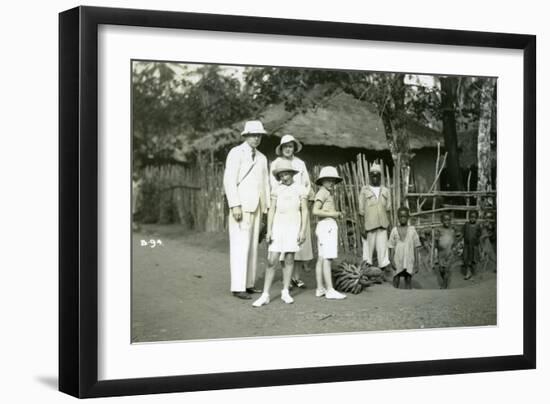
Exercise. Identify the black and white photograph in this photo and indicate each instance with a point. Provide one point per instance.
(277, 202)
(272, 201)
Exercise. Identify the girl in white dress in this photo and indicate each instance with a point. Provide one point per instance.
(287, 150)
(286, 228)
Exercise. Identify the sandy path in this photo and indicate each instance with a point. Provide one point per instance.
(181, 291)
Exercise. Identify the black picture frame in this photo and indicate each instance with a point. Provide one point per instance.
(78, 200)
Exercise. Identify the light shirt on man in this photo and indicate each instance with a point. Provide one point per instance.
(374, 209)
(375, 191)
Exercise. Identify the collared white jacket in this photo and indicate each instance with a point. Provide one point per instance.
(246, 181)
(374, 210)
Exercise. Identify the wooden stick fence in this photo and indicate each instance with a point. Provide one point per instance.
(355, 176)
(191, 196)
(194, 197)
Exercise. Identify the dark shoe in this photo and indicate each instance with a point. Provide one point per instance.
(242, 295)
(253, 290)
(298, 283)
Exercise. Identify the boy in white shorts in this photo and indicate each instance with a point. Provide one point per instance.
(327, 232)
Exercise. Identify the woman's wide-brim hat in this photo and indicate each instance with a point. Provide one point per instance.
(282, 166)
(288, 139)
(328, 172)
(253, 128)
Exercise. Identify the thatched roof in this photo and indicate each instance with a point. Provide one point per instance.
(339, 120)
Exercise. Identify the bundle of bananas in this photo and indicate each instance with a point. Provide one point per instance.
(350, 278)
(372, 273)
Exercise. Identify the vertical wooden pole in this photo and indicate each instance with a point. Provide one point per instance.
(468, 197)
(366, 170)
(433, 231)
(398, 180)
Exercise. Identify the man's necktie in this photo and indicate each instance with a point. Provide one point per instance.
(253, 154)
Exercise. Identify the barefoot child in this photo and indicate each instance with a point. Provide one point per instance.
(327, 232)
(444, 239)
(286, 226)
(472, 236)
(403, 244)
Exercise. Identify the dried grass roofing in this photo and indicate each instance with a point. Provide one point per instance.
(339, 120)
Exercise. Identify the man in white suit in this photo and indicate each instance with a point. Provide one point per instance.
(246, 183)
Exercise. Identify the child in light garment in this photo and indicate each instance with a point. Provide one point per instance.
(286, 227)
(326, 232)
(403, 245)
(445, 237)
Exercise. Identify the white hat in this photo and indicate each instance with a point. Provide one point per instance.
(253, 127)
(328, 172)
(375, 168)
(287, 139)
(283, 165)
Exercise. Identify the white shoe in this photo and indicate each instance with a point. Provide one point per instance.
(320, 292)
(333, 294)
(285, 297)
(262, 300)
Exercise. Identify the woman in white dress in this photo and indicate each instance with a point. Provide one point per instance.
(287, 150)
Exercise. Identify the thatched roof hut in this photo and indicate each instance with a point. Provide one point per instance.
(335, 130)
(339, 121)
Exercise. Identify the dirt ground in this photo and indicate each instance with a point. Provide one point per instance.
(180, 291)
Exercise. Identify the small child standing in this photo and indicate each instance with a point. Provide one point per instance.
(286, 227)
(327, 232)
(472, 236)
(445, 240)
(403, 244)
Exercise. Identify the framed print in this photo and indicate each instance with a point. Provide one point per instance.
(252, 202)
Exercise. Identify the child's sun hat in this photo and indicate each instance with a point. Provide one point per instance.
(288, 139)
(282, 166)
(328, 172)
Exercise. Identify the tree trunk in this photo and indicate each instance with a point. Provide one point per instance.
(448, 100)
(484, 136)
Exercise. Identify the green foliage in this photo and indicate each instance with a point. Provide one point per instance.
(174, 104)
(215, 101)
(158, 99)
(469, 91)
(300, 89)
(388, 92)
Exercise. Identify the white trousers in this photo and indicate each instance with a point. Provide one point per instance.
(243, 249)
(376, 240)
